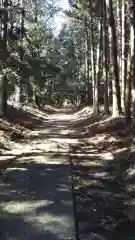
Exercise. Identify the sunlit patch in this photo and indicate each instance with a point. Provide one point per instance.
(131, 172)
(24, 207)
(16, 169)
(97, 139)
(6, 158)
(65, 140)
(82, 114)
(66, 131)
(107, 156)
(121, 150)
(90, 164)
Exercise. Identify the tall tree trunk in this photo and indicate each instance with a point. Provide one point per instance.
(98, 62)
(1, 95)
(133, 55)
(127, 113)
(3, 87)
(93, 75)
(88, 70)
(123, 65)
(21, 53)
(118, 34)
(116, 84)
(105, 60)
(86, 57)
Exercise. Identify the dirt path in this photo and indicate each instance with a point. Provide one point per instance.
(36, 189)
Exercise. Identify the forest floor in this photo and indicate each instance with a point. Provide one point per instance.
(101, 151)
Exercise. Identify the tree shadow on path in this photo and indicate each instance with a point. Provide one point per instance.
(102, 195)
(36, 199)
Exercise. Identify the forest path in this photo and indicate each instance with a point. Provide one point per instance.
(36, 187)
(60, 152)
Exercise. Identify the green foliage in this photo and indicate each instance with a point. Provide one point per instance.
(46, 62)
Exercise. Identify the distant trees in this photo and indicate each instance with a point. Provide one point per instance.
(26, 46)
(93, 55)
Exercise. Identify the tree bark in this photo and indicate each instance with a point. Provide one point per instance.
(98, 62)
(133, 55)
(123, 64)
(3, 89)
(93, 75)
(105, 61)
(127, 113)
(1, 95)
(116, 86)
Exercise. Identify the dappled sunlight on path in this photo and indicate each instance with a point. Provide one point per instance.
(37, 186)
